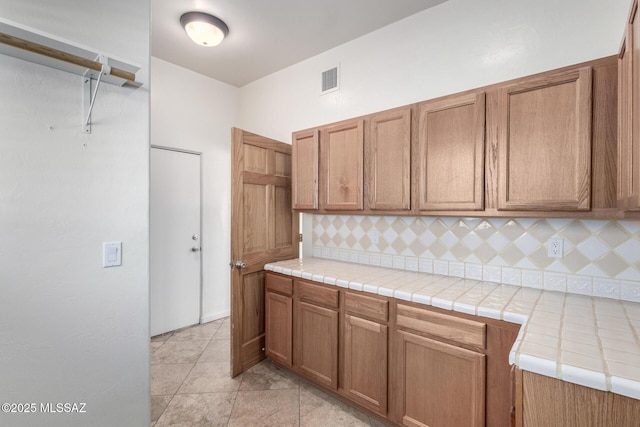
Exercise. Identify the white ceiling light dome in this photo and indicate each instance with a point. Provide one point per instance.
(204, 29)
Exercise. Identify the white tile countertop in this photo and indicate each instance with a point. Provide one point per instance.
(590, 341)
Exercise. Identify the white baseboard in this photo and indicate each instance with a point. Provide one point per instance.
(214, 316)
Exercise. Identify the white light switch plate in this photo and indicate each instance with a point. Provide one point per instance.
(111, 254)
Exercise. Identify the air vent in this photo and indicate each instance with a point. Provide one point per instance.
(330, 80)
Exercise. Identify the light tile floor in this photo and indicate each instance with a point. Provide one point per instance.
(191, 386)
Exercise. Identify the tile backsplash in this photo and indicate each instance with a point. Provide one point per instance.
(601, 258)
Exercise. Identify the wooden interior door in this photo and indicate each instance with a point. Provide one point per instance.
(263, 229)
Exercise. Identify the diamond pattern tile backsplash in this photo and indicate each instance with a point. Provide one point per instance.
(601, 258)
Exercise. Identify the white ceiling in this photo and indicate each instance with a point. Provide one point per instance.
(268, 35)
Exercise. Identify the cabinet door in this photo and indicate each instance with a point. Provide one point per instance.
(342, 163)
(631, 155)
(451, 154)
(544, 143)
(388, 160)
(365, 362)
(278, 327)
(316, 344)
(628, 189)
(441, 385)
(305, 170)
(625, 119)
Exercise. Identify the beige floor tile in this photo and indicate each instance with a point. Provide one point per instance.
(162, 337)
(179, 352)
(268, 376)
(210, 377)
(318, 409)
(266, 408)
(377, 423)
(223, 332)
(197, 332)
(218, 350)
(167, 378)
(158, 405)
(156, 345)
(198, 410)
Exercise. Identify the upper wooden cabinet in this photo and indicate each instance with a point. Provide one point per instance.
(451, 154)
(538, 146)
(628, 115)
(305, 159)
(388, 160)
(342, 148)
(544, 143)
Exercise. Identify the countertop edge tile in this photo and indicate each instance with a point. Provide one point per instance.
(583, 377)
(625, 387)
(538, 365)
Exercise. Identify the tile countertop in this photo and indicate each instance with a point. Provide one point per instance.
(590, 341)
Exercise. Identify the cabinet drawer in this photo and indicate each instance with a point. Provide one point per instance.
(317, 294)
(279, 284)
(362, 305)
(450, 328)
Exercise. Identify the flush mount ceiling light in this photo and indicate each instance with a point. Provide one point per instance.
(204, 29)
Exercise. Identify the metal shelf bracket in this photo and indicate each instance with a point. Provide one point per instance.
(89, 99)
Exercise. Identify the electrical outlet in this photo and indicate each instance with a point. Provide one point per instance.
(374, 235)
(556, 248)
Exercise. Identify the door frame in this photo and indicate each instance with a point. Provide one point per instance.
(199, 154)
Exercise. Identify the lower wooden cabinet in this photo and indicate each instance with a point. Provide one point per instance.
(365, 362)
(440, 384)
(411, 364)
(316, 343)
(278, 327)
(551, 402)
(278, 318)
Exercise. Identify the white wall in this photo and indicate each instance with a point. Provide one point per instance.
(455, 46)
(192, 112)
(70, 330)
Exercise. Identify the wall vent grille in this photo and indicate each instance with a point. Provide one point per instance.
(330, 80)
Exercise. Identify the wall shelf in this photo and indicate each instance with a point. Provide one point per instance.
(35, 46)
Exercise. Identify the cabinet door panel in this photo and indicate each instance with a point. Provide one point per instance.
(305, 158)
(442, 385)
(634, 182)
(278, 324)
(630, 160)
(451, 154)
(342, 162)
(365, 362)
(625, 134)
(388, 160)
(317, 343)
(545, 144)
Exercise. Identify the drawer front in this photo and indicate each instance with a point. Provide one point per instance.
(450, 328)
(362, 305)
(317, 294)
(279, 284)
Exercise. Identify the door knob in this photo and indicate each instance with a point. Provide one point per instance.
(195, 249)
(240, 265)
